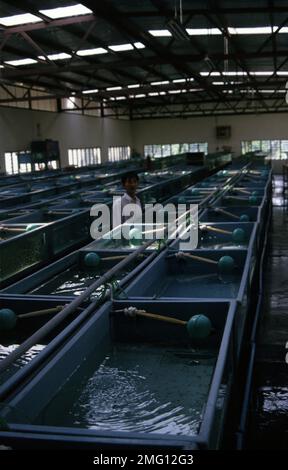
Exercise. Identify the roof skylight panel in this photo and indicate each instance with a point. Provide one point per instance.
(85, 92)
(138, 45)
(126, 47)
(114, 88)
(165, 82)
(16, 20)
(57, 56)
(203, 31)
(211, 74)
(160, 33)
(252, 30)
(121, 47)
(64, 12)
(19, 62)
(94, 51)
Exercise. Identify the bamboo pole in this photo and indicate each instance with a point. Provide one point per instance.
(38, 313)
(214, 229)
(222, 211)
(142, 313)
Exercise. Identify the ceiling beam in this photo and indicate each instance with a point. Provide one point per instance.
(108, 12)
(43, 69)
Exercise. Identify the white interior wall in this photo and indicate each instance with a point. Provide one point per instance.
(19, 127)
(202, 129)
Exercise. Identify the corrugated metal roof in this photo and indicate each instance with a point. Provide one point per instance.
(118, 22)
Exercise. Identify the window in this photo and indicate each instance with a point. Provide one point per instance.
(84, 157)
(17, 162)
(164, 150)
(115, 154)
(275, 149)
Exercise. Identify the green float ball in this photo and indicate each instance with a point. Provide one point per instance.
(135, 236)
(238, 235)
(31, 227)
(181, 200)
(8, 319)
(199, 327)
(253, 200)
(195, 191)
(135, 233)
(226, 264)
(244, 218)
(92, 260)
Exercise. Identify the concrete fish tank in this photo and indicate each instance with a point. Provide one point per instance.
(218, 274)
(70, 276)
(136, 385)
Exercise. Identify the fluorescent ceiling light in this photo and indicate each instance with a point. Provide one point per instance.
(134, 86)
(121, 47)
(160, 33)
(63, 12)
(165, 82)
(139, 45)
(141, 95)
(203, 31)
(283, 74)
(58, 56)
(97, 50)
(16, 20)
(172, 92)
(1, 66)
(21, 62)
(154, 93)
(162, 93)
(113, 88)
(90, 91)
(179, 80)
(120, 98)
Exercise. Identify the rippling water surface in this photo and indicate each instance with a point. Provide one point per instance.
(137, 388)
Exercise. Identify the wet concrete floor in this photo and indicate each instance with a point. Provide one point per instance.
(268, 428)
